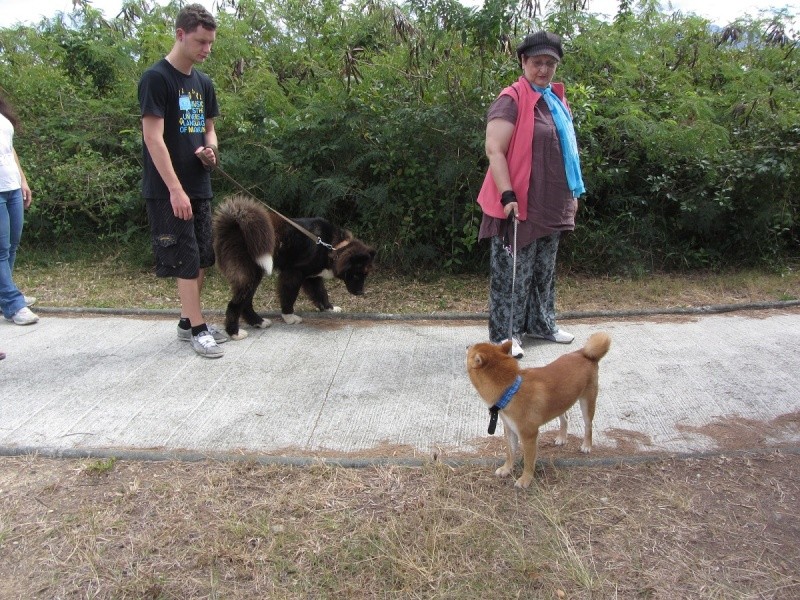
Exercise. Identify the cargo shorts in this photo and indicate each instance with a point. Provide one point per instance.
(181, 248)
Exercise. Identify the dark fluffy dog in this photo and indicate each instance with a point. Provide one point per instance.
(250, 240)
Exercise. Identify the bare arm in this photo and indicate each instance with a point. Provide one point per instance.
(498, 138)
(153, 133)
(27, 197)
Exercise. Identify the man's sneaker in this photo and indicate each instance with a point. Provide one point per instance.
(30, 300)
(204, 344)
(516, 348)
(559, 336)
(24, 316)
(219, 336)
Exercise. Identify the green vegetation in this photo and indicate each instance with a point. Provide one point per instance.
(101, 466)
(372, 113)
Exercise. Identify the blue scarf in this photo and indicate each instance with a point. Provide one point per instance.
(566, 135)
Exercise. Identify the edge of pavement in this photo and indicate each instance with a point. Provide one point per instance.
(443, 316)
(358, 463)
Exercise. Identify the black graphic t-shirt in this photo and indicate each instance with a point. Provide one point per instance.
(184, 102)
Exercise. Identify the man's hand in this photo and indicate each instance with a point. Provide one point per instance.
(208, 156)
(181, 205)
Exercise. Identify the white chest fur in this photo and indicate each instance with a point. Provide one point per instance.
(509, 424)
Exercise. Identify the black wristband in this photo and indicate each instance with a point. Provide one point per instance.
(508, 197)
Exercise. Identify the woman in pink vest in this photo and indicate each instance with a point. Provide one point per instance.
(534, 176)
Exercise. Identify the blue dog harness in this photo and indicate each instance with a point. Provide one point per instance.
(502, 403)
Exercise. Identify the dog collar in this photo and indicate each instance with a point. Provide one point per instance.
(337, 247)
(502, 403)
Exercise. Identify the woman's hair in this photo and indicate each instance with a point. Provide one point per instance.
(8, 112)
(193, 16)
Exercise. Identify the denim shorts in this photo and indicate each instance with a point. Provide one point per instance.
(181, 248)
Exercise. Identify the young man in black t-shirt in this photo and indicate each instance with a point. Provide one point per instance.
(178, 106)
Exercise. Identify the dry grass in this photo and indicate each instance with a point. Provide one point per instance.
(716, 528)
(108, 280)
(697, 528)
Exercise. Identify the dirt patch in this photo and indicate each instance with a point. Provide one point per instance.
(739, 433)
(628, 441)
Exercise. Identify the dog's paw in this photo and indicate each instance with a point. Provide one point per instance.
(240, 335)
(503, 471)
(292, 319)
(561, 440)
(586, 448)
(335, 309)
(264, 324)
(524, 482)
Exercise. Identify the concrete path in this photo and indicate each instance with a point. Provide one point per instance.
(386, 389)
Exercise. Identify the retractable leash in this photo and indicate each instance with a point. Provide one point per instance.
(300, 228)
(513, 280)
(509, 393)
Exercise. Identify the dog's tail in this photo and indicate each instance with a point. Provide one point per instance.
(242, 227)
(597, 346)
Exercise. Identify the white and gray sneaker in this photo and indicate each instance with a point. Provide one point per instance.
(219, 335)
(205, 345)
(559, 336)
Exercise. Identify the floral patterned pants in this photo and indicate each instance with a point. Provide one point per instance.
(534, 289)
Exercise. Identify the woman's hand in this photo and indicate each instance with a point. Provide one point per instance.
(27, 197)
(509, 201)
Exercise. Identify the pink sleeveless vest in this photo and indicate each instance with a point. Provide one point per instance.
(519, 151)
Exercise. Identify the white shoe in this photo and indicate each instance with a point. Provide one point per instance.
(30, 300)
(559, 336)
(516, 348)
(24, 316)
(219, 335)
(205, 345)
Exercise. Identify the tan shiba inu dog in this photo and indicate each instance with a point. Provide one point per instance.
(526, 399)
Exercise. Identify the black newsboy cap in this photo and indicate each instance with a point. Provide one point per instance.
(541, 42)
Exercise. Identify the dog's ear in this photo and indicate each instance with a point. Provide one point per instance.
(506, 347)
(478, 360)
